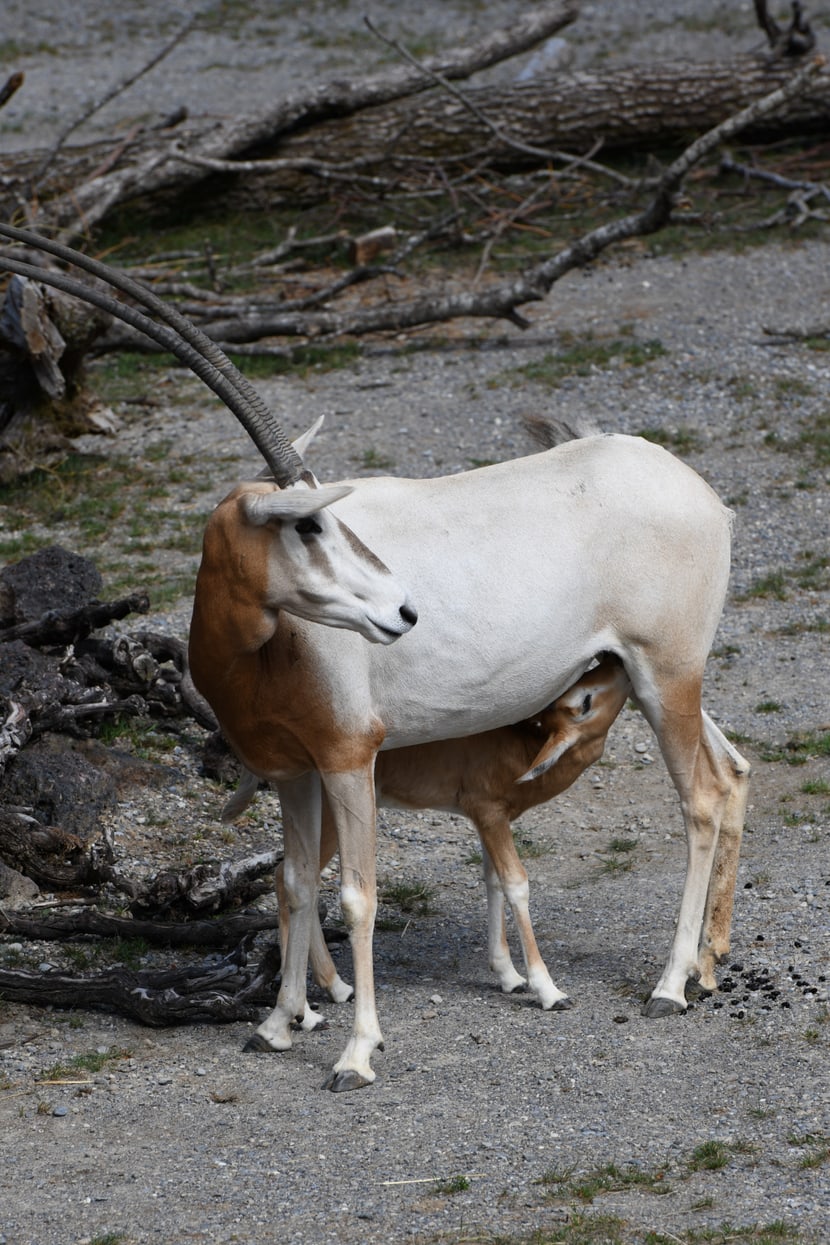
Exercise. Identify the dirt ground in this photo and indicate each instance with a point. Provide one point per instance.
(490, 1118)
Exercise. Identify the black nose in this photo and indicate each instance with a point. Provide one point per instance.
(409, 615)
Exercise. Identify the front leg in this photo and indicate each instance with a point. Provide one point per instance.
(301, 807)
(351, 797)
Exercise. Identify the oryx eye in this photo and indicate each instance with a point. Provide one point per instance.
(586, 704)
(307, 527)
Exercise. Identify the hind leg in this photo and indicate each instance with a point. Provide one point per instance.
(717, 919)
(694, 765)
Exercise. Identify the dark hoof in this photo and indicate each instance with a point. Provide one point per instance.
(562, 1005)
(340, 1082)
(258, 1043)
(658, 1009)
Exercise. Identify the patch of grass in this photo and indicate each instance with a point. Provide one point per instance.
(617, 857)
(527, 847)
(90, 1061)
(126, 375)
(411, 898)
(792, 386)
(816, 1147)
(456, 1184)
(138, 735)
(110, 509)
(768, 706)
(372, 460)
(800, 748)
(623, 845)
(299, 361)
(773, 584)
(580, 358)
(818, 786)
(610, 1178)
(812, 572)
(714, 1155)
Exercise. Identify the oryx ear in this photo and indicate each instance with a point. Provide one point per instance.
(290, 503)
(300, 446)
(303, 442)
(547, 756)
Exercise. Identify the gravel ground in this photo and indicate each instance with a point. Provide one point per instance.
(182, 1137)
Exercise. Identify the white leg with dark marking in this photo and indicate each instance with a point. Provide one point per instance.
(301, 804)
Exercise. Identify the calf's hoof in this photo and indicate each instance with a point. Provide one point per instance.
(340, 1082)
(657, 1009)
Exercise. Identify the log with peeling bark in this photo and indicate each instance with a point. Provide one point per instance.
(223, 991)
(401, 143)
(207, 887)
(222, 931)
(512, 127)
(150, 163)
(501, 299)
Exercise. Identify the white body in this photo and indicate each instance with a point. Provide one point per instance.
(521, 573)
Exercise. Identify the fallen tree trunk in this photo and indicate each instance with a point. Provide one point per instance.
(497, 299)
(388, 131)
(515, 127)
(147, 163)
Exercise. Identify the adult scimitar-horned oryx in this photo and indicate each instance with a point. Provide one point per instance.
(521, 572)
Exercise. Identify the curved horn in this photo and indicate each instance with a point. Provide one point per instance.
(182, 338)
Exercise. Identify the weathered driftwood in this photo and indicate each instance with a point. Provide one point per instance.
(58, 628)
(207, 887)
(224, 931)
(221, 990)
(54, 858)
